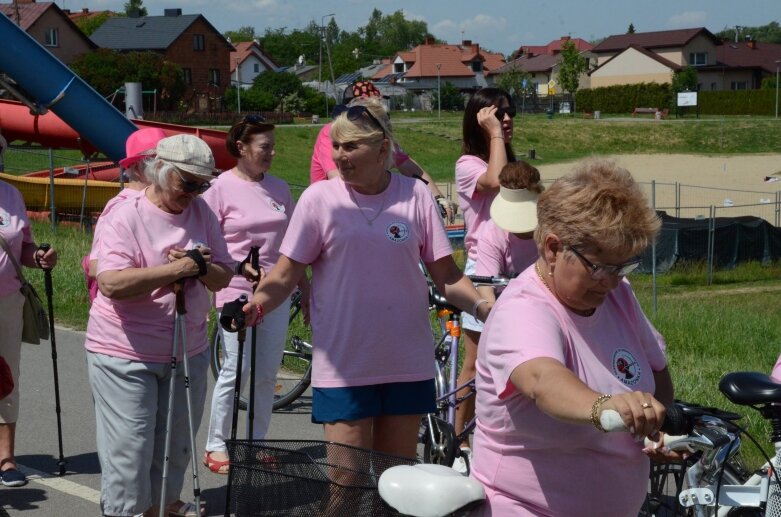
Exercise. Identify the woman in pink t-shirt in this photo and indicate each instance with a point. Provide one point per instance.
(150, 242)
(364, 235)
(15, 231)
(253, 208)
(486, 149)
(566, 340)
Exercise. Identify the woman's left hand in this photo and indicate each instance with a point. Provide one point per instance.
(656, 450)
(641, 412)
(46, 259)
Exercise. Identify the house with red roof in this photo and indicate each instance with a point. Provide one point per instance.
(248, 62)
(50, 26)
(466, 66)
(653, 57)
(542, 62)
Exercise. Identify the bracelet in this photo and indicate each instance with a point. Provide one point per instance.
(261, 313)
(595, 411)
(497, 137)
(477, 304)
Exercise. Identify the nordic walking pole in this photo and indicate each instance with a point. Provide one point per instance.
(232, 314)
(178, 286)
(254, 253)
(181, 311)
(47, 275)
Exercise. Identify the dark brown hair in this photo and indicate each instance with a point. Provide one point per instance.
(474, 141)
(521, 175)
(243, 131)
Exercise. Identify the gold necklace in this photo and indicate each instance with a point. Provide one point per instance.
(542, 278)
(379, 210)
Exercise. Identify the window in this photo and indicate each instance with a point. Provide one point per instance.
(477, 66)
(51, 38)
(187, 74)
(214, 77)
(198, 43)
(698, 58)
(739, 85)
(398, 68)
(256, 68)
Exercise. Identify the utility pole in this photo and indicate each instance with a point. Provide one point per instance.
(778, 62)
(320, 61)
(238, 85)
(439, 93)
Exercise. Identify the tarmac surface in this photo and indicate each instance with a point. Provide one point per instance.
(78, 492)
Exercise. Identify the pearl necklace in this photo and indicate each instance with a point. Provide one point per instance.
(379, 210)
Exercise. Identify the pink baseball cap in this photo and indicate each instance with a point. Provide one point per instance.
(141, 144)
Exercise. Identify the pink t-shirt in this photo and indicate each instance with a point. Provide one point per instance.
(322, 156)
(776, 374)
(15, 229)
(138, 234)
(475, 206)
(501, 253)
(369, 297)
(553, 467)
(251, 213)
(124, 194)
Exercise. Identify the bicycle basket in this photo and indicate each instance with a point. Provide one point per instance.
(306, 477)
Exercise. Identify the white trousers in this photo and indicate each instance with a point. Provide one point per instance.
(271, 337)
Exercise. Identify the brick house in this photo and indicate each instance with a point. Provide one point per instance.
(188, 40)
(50, 26)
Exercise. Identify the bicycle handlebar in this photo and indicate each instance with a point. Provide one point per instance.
(675, 423)
(494, 281)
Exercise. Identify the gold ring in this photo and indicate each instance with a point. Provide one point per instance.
(645, 405)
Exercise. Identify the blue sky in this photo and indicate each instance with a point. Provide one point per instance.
(500, 25)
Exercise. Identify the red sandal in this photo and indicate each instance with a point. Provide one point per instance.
(216, 466)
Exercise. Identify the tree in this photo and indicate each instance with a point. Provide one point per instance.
(571, 68)
(684, 80)
(451, 97)
(770, 33)
(89, 24)
(246, 33)
(631, 29)
(516, 81)
(135, 5)
(278, 84)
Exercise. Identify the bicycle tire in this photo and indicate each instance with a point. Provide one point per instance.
(440, 448)
(284, 392)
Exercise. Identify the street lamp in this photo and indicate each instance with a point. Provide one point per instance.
(238, 85)
(778, 62)
(320, 62)
(439, 93)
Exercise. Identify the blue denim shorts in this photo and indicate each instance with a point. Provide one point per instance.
(331, 405)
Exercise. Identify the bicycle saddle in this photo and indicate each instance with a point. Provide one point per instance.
(750, 388)
(427, 490)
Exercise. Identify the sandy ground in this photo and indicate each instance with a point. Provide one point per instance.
(705, 180)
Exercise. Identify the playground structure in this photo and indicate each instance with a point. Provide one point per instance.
(60, 110)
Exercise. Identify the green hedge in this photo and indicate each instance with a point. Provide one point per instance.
(625, 98)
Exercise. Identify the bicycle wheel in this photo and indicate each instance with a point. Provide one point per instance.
(439, 441)
(295, 371)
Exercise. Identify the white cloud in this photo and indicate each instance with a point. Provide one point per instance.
(687, 19)
(412, 16)
(480, 27)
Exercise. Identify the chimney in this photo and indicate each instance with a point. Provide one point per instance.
(85, 10)
(565, 38)
(429, 40)
(172, 12)
(66, 11)
(466, 43)
(476, 48)
(752, 44)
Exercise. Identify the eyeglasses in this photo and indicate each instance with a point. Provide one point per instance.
(501, 112)
(190, 187)
(356, 112)
(601, 271)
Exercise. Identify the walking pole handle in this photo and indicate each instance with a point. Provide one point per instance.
(47, 271)
(179, 292)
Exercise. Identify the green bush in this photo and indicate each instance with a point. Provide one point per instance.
(624, 98)
(737, 102)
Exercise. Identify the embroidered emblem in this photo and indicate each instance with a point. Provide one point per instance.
(276, 206)
(397, 232)
(5, 218)
(625, 367)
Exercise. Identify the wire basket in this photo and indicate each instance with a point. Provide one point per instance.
(664, 484)
(306, 478)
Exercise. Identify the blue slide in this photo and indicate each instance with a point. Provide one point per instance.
(54, 86)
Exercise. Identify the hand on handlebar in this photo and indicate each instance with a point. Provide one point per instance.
(641, 414)
(660, 453)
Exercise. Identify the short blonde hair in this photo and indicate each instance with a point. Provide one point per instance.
(597, 207)
(364, 129)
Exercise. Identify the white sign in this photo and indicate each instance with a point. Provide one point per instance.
(564, 107)
(687, 98)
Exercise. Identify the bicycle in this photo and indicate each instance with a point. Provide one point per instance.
(295, 371)
(714, 481)
(441, 444)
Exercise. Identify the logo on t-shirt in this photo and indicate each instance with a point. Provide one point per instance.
(5, 218)
(397, 232)
(276, 206)
(625, 367)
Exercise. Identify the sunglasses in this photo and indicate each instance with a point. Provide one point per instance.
(501, 112)
(602, 271)
(356, 112)
(192, 187)
(253, 119)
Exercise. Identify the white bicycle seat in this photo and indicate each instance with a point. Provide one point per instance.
(427, 490)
